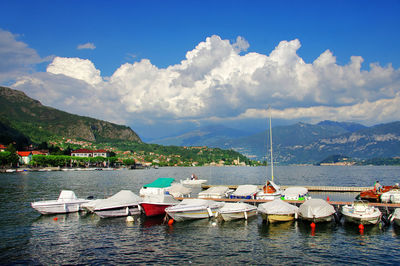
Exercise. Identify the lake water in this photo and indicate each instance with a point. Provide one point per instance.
(26, 237)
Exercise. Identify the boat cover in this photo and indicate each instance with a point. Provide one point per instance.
(121, 199)
(245, 190)
(237, 207)
(214, 191)
(295, 191)
(161, 182)
(277, 206)
(392, 196)
(66, 196)
(273, 185)
(316, 208)
(178, 190)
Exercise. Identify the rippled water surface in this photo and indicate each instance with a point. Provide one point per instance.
(26, 237)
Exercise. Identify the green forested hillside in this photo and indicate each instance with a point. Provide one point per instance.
(28, 117)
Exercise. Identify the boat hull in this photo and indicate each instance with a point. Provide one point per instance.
(154, 209)
(276, 218)
(57, 207)
(118, 212)
(361, 220)
(203, 213)
(229, 216)
(323, 219)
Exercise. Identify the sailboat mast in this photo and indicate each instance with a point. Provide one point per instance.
(270, 139)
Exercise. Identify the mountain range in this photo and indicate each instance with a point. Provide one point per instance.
(301, 143)
(24, 120)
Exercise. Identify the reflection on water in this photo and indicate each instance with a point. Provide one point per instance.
(81, 238)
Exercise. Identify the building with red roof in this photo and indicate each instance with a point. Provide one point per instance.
(25, 157)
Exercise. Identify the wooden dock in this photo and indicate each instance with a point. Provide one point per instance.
(310, 188)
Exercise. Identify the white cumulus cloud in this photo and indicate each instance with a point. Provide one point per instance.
(219, 81)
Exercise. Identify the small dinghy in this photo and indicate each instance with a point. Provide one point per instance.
(67, 202)
(190, 209)
(123, 203)
(278, 211)
(395, 217)
(245, 192)
(295, 193)
(238, 210)
(216, 192)
(316, 210)
(361, 213)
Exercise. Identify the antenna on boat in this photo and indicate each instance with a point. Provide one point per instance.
(270, 139)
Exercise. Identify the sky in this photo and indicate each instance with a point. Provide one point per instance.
(165, 67)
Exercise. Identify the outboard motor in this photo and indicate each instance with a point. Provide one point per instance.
(337, 217)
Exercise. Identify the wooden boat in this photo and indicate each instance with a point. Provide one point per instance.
(316, 210)
(278, 211)
(361, 213)
(67, 202)
(237, 210)
(373, 195)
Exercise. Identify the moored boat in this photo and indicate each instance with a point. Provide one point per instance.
(67, 202)
(392, 196)
(316, 210)
(361, 213)
(190, 209)
(237, 210)
(278, 211)
(216, 192)
(155, 198)
(295, 193)
(245, 192)
(270, 191)
(374, 195)
(395, 217)
(123, 203)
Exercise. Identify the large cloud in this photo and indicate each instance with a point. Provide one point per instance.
(219, 81)
(16, 58)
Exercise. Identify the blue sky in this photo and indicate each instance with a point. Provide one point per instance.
(162, 67)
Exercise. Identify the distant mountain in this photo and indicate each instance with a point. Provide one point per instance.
(307, 143)
(211, 136)
(23, 117)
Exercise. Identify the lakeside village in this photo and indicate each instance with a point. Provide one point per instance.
(87, 156)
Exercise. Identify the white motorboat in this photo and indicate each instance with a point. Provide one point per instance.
(123, 203)
(278, 211)
(237, 210)
(316, 210)
(155, 197)
(216, 192)
(295, 193)
(193, 182)
(361, 213)
(392, 196)
(395, 217)
(190, 209)
(245, 192)
(66, 202)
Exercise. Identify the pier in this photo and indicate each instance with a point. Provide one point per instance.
(310, 188)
